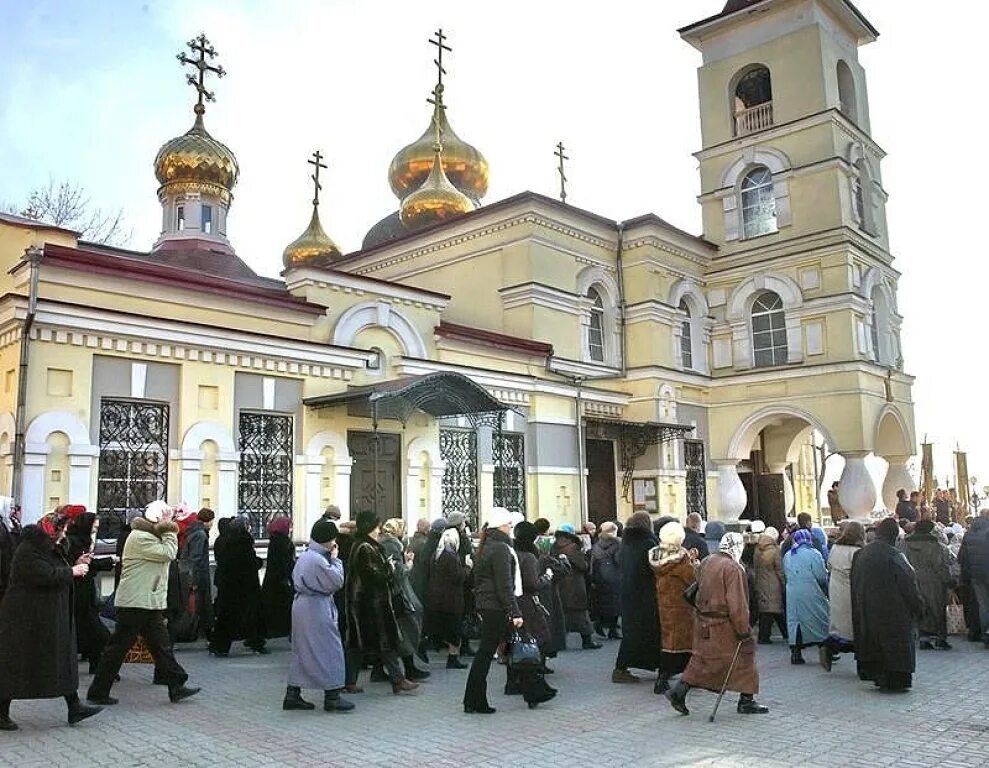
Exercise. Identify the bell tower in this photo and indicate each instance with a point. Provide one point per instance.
(787, 153)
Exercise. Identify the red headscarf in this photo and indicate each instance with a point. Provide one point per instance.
(280, 524)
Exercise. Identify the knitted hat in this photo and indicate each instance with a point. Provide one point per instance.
(672, 534)
(155, 510)
(323, 531)
(497, 517)
(438, 525)
(525, 533)
(280, 524)
(565, 528)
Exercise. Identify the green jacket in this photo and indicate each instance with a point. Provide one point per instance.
(148, 551)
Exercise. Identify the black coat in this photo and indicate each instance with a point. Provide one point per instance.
(8, 543)
(37, 630)
(91, 634)
(277, 592)
(931, 562)
(238, 590)
(606, 576)
(694, 540)
(534, 585)
(372, 624)
(494, 575)
(423, 548)
(445, 583)
(640, 615)
(974, 553)
(573, 586)
(885, 605)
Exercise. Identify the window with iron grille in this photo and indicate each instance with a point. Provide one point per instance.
(133, 467)
(509, 471)
(265, 487)
(696, 481)
(758, 203)
(458, 449)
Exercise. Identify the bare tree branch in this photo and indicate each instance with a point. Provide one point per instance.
(66, 204)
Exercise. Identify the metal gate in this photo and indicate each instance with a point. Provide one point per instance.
(265, 487)
(694, 463)
(133, 468)
(458, 448)
(509, 471)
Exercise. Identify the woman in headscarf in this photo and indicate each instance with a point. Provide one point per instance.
(886, 603)
(932, 562)
(807, 608)
(373, 628)
(675, 571)
(606, 578)
(640, 644)
(769, 585)
(841, 638)
(10, 532)
(408, 607)
(91, 634)
(37, 639)
(445, 595)
(722, 632)
(238, 591)
(317, 651)
(276, 590)
(573, 586)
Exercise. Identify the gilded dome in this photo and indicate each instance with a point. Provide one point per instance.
(465, 166)
(196, 157)
(436, 200)
(313, 246)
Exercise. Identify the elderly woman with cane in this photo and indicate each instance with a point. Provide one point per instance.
(724, 649)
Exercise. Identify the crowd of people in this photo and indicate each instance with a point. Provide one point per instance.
(689, 602)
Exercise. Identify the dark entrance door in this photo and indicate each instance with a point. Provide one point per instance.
(602, 503)
(362, 480)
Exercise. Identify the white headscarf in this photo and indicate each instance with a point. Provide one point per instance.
(6, 505)
(732, 544)
(450, 540)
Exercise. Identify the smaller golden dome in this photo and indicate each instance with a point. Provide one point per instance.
(465, 166)
(436, 200)
(195, 157)
(313, 246)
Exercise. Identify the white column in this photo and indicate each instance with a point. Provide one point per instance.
(33, 486)
(226, 504)
(897, 477)
(191, 467)
(856, 490)
(789, 497)
(341, 488)
(731, 493)
(312, 502)
(413, 495)
(436, 491)
(81, 474)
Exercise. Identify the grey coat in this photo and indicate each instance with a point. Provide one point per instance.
(317, 651)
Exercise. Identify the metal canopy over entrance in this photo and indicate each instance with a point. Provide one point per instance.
(633, 439)
(441, 395)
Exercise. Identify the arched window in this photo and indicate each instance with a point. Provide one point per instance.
(758, 203)
(686, 342)
(847, 101)
(595, 330)
(753, 101)
(862, 190)
(768, 330)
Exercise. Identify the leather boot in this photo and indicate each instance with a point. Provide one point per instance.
(454, 662)
(796, 657)
(403, 686)
(79, 711)
(333, 702)
(588, 643)
(662, 684)
(747, 705)
(412, 672)
(179, 692)
(293, 700)
(678, 697)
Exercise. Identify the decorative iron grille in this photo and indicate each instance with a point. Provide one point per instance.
(265, 487)
(133, 468)
(693, 460)
(509, 471)
(458, 448)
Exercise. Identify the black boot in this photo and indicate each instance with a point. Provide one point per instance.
(795, 656)
(613, 634)
(6, 724)
(293, 700)
(599, 629)
(512, 687)
(662, 684)
(453, 662)
(589, 644)
(333, 702)
(79, 711)
(466, 650)
(412, 672)
(177, 693)
(678, 697)
(747, 705)
(378, 674)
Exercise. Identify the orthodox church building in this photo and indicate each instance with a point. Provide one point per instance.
(522, 352)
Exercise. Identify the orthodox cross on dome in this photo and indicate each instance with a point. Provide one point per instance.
(438, 40)
(438, 106)
(202, 51)
(317, 163)
(560, 149)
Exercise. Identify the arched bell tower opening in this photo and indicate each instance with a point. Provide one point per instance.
(752, 100)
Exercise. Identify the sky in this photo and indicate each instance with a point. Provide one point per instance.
(92, 89)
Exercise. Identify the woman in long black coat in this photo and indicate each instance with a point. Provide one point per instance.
(606, 577)
(640, 646)
(37, 631)
(886, 603)
(277, 592)
(573, 586)
(445, 605)
(238, 591)
(91, 634)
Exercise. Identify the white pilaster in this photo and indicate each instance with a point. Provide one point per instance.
(226, 504)
(33, 490)
(312, 501)
(81, 474)
(856, 489)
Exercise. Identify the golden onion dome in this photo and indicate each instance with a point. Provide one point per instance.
(196, 157)
(313, 246)
(436, 200)
(465, 166)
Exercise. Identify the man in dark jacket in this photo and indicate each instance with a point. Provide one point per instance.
(974, 559)
(886, 602)
(196, 552)
(573, 586)
(805, 521)
(640, 646)
(694, 539)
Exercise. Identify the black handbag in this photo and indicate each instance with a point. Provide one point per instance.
(523, 651)
(690, 594)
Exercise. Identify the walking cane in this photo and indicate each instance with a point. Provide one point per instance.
(724, 687)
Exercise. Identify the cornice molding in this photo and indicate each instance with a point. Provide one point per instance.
(357, 285)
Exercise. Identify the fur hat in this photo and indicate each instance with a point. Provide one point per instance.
(155, 510)
(332, 512)
(672, 534)
(367, 521)
(525, 533)
(608, 530)
(497, 517)
(455, 519)
(323, 531)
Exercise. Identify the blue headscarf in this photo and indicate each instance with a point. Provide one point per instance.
(821, 538)
(801, 538)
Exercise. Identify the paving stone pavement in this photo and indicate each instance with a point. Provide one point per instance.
(816, 719)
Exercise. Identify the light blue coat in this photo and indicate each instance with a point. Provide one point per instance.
(806, 595)
(317, 653)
